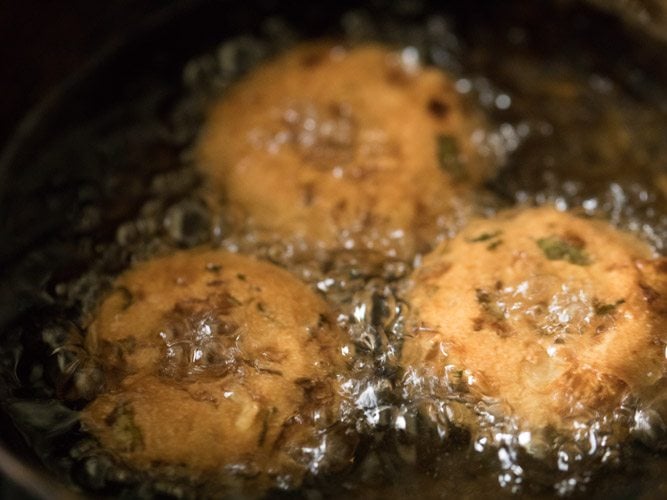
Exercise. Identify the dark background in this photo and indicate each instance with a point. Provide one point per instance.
(42, 42)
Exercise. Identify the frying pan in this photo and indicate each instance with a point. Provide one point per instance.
(139, 73)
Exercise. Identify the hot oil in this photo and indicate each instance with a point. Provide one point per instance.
(570, 132)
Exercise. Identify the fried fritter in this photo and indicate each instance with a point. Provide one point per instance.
(342, 147)
(216, 361)
(556, 316)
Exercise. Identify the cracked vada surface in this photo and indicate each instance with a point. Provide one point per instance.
(557, 317)
(344, 147)
(218, 362)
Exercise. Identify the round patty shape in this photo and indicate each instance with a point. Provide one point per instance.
(358, 147)
(557, 316)
(215, 361)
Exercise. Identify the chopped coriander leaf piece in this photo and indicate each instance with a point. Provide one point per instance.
(485, 236)
(494, 244)
(448, 157)
(483, 296)
(488, 305)
(125, 431)
(605, 309)
(556, 248)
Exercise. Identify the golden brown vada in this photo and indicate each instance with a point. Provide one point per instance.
(556, 316)
(217, 362)
(342, 147)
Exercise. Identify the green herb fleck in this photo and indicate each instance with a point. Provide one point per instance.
(606, 309)
(266, 420)
(485, 236)
(492, 239)
(448, 157)
(211, 267)
(483, 296)
(494, 244)
(228, 300)
(123, 428)
(489, 306)
(556, 248)
(494, 314)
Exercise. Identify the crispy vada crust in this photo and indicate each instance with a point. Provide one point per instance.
(216, 360)
(343, 146)
(557, 316)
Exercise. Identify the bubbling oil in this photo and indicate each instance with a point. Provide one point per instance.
(565, 136)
